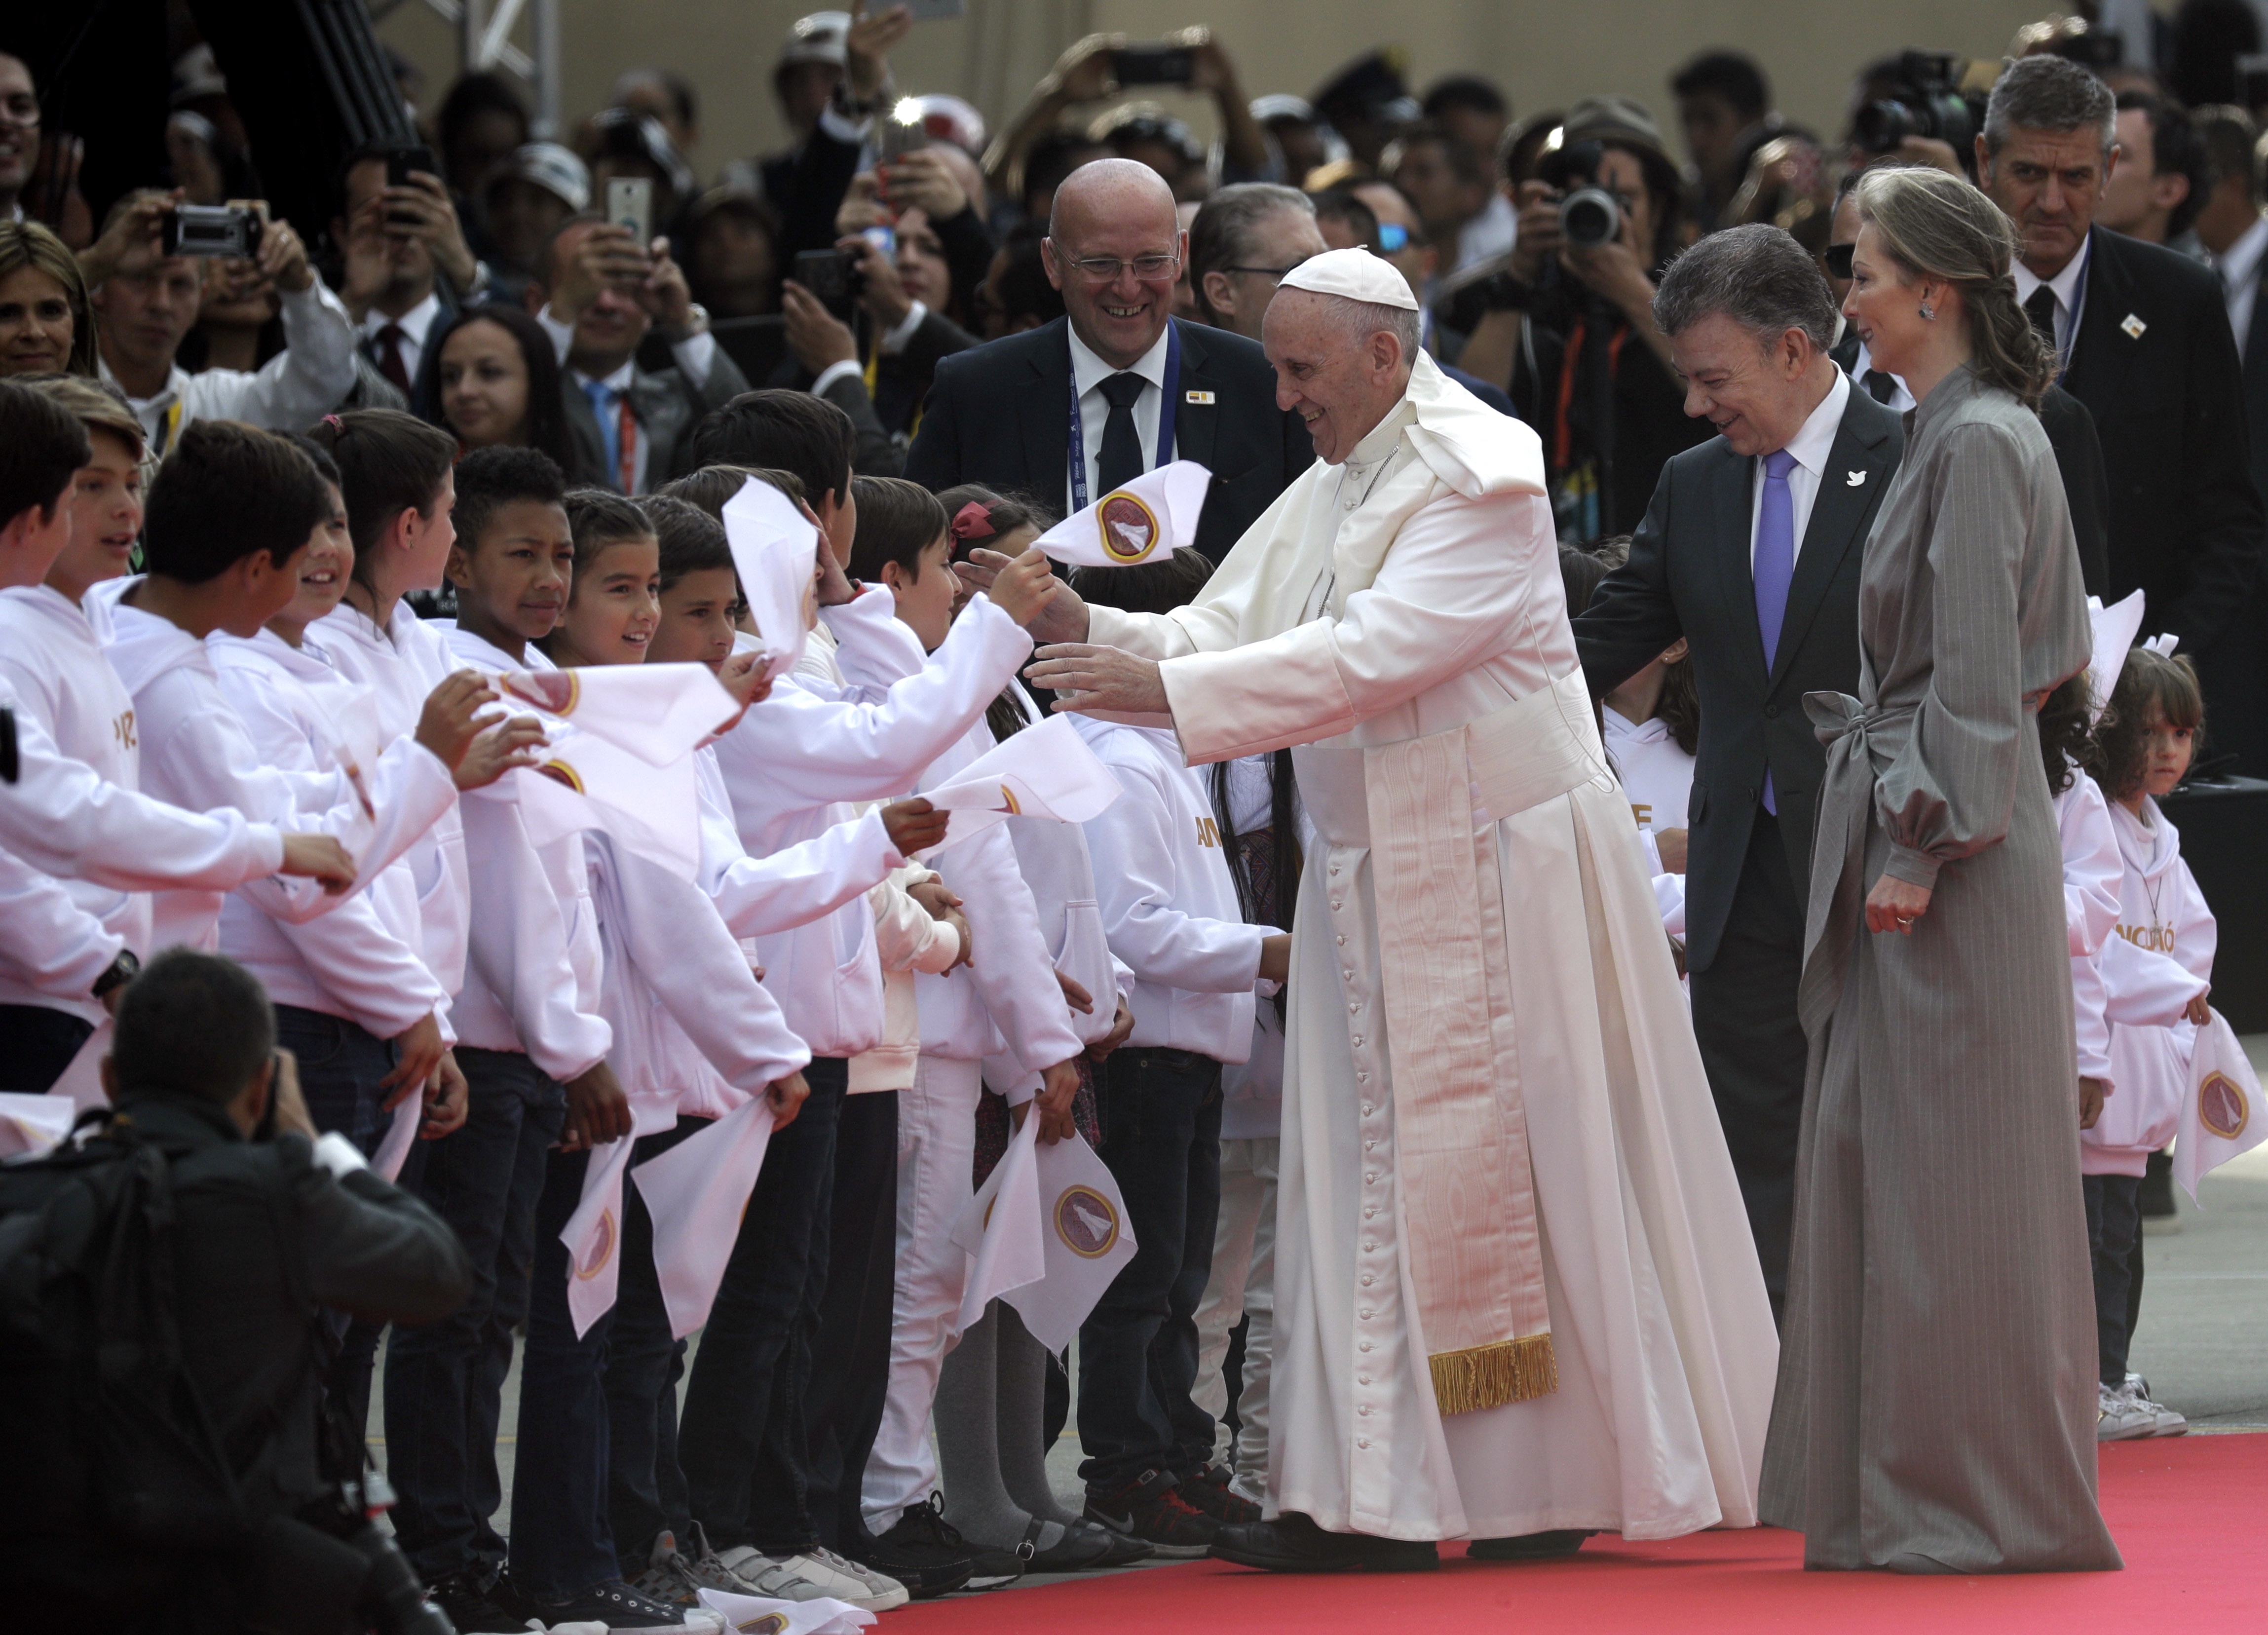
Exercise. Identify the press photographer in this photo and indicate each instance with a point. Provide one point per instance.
(1567, 326)
(163, 1287)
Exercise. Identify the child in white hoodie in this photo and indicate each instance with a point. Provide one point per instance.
(2157, 969)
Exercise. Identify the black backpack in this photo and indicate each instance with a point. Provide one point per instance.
(105, 1429)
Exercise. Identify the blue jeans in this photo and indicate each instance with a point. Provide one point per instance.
(645, 1489)
(444, 1382)
(1137, 1350)
(2114, 1225)
(563, 1540)
(341, 1064)
(743, 1440)
(37, 1042)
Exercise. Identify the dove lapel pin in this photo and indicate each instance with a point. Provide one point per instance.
(1854, 479)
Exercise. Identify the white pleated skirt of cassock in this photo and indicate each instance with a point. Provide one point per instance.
(1665, 1340)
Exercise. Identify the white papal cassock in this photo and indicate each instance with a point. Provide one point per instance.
(1385, 614)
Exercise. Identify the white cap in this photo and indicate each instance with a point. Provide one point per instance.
(1355, 274)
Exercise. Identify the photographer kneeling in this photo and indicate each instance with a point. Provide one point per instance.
(268, 1226)
(1567, 326)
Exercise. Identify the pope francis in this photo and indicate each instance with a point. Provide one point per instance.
(1516, 1296)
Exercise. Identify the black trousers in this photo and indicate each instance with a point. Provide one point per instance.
(1752, 1043)
(851, 1354)
(37, 1042)
(1137, 1350)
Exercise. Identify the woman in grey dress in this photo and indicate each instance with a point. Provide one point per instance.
(1936, 1404)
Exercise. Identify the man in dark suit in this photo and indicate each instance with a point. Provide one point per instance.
(2146, 346)
(597, 294)
(1750, 553)
(1138, 387)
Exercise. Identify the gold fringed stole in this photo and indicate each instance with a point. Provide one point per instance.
(1466, 1184)
(1489, 1376)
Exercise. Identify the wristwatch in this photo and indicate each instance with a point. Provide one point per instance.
(117, 974)
(696, 322)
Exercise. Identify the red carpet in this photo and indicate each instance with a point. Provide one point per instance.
(2188, 1515)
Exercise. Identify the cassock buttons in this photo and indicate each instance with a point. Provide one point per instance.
(1352, 1008)
(1367, 1280)
(1367, 1109)
(1364, 1380)
(1342, 939)
(1362, 1442)
(1366, 1344)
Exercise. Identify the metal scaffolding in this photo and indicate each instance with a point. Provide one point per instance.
(484, 31)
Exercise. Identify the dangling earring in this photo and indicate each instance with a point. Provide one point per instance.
(1928, 313)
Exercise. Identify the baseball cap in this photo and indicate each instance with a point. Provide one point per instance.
(818, 37)
(551, 168)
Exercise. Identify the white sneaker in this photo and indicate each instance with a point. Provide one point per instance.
(846, 1581)
(775, 1580)
(2121, 1416)
(2169, 1423)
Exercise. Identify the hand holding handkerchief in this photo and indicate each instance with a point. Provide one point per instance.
(776, 549)
(1147, 520)
(1044, 772)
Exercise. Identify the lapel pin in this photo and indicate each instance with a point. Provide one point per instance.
(2133, 327)
(1854, 479)
(1196, 397)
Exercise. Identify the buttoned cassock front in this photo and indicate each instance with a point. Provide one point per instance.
(1331, 628)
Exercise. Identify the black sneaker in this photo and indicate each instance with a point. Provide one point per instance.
(921, 1552)
(1207, 1488)
(621, 1610)
(476, 1605)
(1151, 1508)
(1086, 1547)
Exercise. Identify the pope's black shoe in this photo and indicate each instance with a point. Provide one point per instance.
(1550, 1546)
(1293, 1543)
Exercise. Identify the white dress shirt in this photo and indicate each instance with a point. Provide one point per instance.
(416, 324)
(301, 384)
(2240, 278)
(1901, 400)
(2068, 286)
(1088, 372)
(1814, 440)
(693, 357)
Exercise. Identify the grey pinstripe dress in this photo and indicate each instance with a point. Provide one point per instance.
(1937, 1395)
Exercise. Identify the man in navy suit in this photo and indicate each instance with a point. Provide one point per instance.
(1117, 386)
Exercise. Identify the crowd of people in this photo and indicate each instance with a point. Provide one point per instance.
(1536, 462)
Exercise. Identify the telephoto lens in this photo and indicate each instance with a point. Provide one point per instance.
(1590, 216)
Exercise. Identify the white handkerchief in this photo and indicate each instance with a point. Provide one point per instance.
(1044, 772)
(776, 549)
(759, 1616)
(1147, 520)
(585, 782)
(593, 1235)
(393, 1147)
(1000, 1231)
(695, 1194)
(33, 1124)
(1086, 1237)
(2114, 628)
(659, 712)
(2222, 1116)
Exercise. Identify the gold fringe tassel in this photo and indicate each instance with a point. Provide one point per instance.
(1489, 1376)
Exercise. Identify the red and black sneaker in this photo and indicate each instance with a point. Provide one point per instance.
(1152, 1508)
(1206, 1488)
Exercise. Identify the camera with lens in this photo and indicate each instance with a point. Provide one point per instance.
(1589, 215)
(212, 229)
(1927, 99)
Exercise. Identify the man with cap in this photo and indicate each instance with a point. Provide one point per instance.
(1568, 329)
(1515, 1295)
(1117, 386)
(529, 199)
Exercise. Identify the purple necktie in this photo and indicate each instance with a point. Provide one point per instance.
(1773, 567)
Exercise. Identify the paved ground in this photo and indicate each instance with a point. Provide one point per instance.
(2203, 1342)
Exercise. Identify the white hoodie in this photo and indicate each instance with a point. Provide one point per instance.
(2169, 936)
(60, 818)
(796, 762)
(196, 752)
(533, 964)
(360, 962)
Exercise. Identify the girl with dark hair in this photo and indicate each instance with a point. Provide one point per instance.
(2156, 970)
(496, 381)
